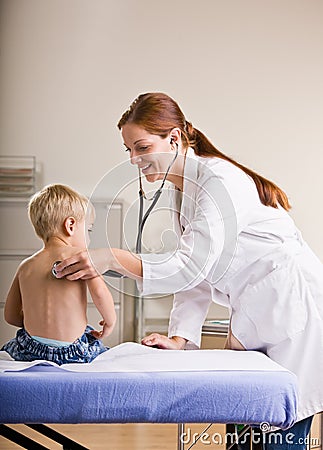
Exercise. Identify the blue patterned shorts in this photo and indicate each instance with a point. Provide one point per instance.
(24, 348)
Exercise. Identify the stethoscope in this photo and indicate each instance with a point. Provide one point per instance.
(154, 199)
(142, 218)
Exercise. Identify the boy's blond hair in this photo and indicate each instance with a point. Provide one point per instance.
(50, 207)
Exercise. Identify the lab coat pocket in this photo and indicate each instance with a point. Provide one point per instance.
(276, 303)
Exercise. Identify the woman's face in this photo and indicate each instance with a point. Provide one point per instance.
(151, 153)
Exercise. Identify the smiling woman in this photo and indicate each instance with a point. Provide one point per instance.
(153, 154)
(237, 246)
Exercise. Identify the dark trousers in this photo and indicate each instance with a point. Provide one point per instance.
(292, 439)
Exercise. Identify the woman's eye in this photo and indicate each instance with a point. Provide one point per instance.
(143, 148)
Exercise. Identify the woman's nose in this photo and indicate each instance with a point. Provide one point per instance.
(134, 158)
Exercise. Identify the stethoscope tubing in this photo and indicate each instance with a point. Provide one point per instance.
(142, 218)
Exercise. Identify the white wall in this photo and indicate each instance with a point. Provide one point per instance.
(249, 73)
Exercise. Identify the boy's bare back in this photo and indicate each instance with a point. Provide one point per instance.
(52, 308)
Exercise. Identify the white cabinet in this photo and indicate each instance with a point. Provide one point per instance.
(18, 241)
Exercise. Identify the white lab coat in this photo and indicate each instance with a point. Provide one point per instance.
(237, 252)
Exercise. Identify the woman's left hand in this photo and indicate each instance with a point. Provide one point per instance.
(164, 342)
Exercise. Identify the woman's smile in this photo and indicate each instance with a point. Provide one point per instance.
(144, 169)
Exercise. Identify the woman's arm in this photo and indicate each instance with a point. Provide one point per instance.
(13, 313)
(189, 312)
(91, 263)
(216, 206)
(126, 263)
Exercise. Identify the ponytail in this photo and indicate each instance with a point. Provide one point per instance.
(158, 114)
(269, 193)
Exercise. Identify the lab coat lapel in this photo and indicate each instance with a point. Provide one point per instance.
(174, 203)
(189, 187)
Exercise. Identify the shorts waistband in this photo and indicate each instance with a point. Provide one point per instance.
(79, 346)
(51, 342)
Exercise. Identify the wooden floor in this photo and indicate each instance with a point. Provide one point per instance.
(122, 437)
(140, 436)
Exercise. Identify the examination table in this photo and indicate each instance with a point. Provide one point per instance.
(131, 383)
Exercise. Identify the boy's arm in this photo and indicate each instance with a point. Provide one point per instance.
(103, 301)
(13, 313)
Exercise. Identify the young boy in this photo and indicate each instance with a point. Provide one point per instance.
(52, 312)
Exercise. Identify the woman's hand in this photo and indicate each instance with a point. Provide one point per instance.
(84, 265)
(161, 341)
(91, 263)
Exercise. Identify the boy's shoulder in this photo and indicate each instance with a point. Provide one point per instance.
(45, 257)
(28, 263)
(29, 260)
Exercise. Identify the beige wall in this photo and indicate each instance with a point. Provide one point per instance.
(249, 73)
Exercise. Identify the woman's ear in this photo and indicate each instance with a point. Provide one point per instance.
(175, 135)
(70, 225)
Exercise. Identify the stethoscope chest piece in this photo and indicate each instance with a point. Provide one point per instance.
(54, 268)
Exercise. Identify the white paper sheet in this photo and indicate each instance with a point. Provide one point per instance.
(132, 357)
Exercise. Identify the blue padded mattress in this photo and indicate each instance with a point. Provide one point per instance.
(46, 394)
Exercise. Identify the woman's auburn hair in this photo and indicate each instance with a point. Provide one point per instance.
(158, 114)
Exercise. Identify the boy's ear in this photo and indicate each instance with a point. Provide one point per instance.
(69, 225)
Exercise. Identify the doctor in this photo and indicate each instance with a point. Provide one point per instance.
(237, 246)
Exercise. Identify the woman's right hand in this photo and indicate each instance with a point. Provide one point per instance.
(164, 342)
(84, 265)
(91, 263)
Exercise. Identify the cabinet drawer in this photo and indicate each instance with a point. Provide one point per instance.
(8, 268)
(17, 233)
